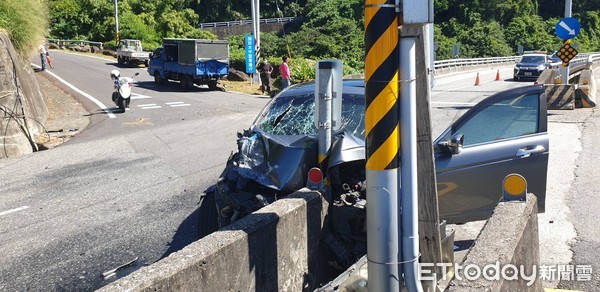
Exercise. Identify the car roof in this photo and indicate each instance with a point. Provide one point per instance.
(536, 55)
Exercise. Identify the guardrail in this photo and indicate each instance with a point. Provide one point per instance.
(580, 62)
(441, 64)
(69, 43)
(249, 21)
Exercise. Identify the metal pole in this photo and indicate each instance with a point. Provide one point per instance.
(382, 144)
(564, 71)
(408, 140)
(256, 32)
(117, 20)
(324, 95)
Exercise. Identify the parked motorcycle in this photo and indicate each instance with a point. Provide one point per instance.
(122, 85)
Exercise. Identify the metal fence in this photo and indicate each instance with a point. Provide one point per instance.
(249, 21)
(441, 64)
(583, 59)
(70, 43)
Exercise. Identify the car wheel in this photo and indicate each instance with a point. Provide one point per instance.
(207, 217)
(157, 79)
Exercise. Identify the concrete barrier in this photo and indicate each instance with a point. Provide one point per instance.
(509, 238)
(560, 96)
(586, 90)
(277, 248)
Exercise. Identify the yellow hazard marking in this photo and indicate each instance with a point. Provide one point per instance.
(381, 105)
(321, 158)
(515, 185)
(370, 11)
(381, 49)
(387, 152)
(141, 121)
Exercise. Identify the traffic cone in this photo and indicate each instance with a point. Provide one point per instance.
(477, 79)
(498, 75)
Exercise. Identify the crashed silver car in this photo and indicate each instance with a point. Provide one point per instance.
(503, 134)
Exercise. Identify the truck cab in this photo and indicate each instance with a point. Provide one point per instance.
(129, 52)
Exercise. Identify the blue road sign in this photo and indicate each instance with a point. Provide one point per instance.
(250, 55)
(567, 28)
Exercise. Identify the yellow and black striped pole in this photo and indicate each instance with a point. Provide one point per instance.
(382, 143)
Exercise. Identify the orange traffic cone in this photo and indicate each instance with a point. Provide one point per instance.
(477, 79)
(498, 75)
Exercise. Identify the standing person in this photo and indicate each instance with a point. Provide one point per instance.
(265, 69)
(285, 73)
(48, 59)
(42, 50)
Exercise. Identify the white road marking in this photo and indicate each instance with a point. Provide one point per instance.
(177, 104)
(93, 99)
(149, 106)
(139, 96)
(14, 210)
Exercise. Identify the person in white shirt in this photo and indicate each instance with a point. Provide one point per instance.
(43, 52)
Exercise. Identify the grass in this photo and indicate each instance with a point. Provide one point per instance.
(26, 22)
(243, 86)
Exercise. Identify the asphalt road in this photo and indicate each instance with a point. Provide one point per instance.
(128, 186)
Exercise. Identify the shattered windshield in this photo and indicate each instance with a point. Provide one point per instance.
(295, 115)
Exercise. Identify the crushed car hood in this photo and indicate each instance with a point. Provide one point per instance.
(282, 162)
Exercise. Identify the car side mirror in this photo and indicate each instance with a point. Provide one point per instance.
(151, 56)
(454, 145)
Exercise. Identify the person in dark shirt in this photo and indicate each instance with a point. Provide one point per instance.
(265, 69)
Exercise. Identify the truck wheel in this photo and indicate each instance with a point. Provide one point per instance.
(207, 217)
(120, 60)
(184, 83)
(212, 85)
(157, 79)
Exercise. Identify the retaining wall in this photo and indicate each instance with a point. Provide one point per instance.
(22, 103)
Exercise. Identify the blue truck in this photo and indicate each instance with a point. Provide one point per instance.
(190, 61)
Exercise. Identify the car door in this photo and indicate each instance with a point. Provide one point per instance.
(503, 134)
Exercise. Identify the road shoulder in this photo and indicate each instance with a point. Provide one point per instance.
(66, 116)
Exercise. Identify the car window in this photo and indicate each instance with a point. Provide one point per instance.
(295, 115)
(533, 59)
(504, 119)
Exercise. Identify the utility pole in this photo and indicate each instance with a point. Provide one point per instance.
(255, 6)
(393, 142)
(117, 22)
(382, 144)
